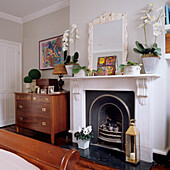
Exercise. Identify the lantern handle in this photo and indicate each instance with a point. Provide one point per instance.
(132, 122)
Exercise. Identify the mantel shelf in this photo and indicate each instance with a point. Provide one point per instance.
(140, 76)
(141, 84)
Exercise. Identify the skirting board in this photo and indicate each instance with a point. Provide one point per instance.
(165, 152)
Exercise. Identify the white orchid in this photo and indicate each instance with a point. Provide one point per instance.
(89, 128)
(149, 18)
(74, 35)
(141, 25)
(85, 131)
(70, 37)
(71, 40)
(65, 40)
(143, 17)
(147, 21)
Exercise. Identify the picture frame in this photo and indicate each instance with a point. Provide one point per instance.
(43, 91)
(50, 52)
(37, 89)
(50, 89)
(106, 65)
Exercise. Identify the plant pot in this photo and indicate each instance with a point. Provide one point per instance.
(83, 144)
(28, 87)
(150, 64)
(132, 70)
(81, 73)
(69, 70)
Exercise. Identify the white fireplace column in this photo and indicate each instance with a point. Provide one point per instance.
(142, 85)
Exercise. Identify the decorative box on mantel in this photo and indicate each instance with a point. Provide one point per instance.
(143, 87)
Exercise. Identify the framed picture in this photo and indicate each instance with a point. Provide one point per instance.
(43, 91)
(50, 89)
(50, 52)
(106, 65)
(37, 89)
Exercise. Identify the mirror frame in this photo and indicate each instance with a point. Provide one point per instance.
(105, 18)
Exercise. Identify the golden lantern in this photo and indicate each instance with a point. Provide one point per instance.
(132, 143)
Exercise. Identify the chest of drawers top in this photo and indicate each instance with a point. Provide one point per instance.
(45, 98)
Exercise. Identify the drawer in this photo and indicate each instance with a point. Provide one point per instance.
(41, 98)
(26, 97)
(38, 123)
(42, 109)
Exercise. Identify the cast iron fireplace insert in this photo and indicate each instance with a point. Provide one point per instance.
(109, 113)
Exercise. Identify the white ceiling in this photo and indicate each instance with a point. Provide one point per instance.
(26, 10)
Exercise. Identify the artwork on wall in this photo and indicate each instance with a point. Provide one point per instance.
(106, 65)
(50, 52)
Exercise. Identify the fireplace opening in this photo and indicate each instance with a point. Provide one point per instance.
(109, 113)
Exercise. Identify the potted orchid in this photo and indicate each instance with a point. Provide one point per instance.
(83, 137)
(70, 37)
(150, 54)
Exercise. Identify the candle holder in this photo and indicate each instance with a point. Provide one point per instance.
(132, 143)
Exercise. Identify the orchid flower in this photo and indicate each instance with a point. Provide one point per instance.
(149, 18)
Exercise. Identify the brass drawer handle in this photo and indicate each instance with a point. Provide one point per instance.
(44, 123)
(46, 99)
(44, 109)
(21, 118)
(20, 106)
(28, 97)
(34, 98)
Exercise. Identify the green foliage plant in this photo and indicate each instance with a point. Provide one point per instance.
(77, 68)
(84, 134)
(147, 52)
(74, 59)
(34, 74)
(129, 63)
(27, 79)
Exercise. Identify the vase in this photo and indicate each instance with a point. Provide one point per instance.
(150, 64)
(83, 144)
(132, 70)
(69, 70)
(81, 73)
(28, 87)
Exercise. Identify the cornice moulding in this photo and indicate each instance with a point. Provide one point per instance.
(10, 17)
(46, 11)
(37, 14)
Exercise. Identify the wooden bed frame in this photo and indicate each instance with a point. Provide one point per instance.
(43, 155)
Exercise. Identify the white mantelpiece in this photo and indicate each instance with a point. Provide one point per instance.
(142, 85)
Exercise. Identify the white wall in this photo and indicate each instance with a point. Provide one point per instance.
(84, 11)
(11, 31)
(45, 27)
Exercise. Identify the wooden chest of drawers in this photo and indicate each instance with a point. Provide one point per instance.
(46, 113)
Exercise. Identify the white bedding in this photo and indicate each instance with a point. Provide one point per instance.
(11, 161)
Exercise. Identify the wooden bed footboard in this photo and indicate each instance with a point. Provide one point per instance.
(43, 155)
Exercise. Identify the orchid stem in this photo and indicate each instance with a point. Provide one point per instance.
(145, 35)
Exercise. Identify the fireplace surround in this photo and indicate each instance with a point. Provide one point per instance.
(143, 88)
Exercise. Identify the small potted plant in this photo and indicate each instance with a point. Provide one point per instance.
(83, 137)
(27, 81)
(77, 70)
(34, 74)
(131, 68)
(150, 54)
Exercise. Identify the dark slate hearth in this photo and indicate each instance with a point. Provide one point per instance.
(112, 158)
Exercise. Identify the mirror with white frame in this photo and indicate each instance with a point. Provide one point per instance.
(108, 37)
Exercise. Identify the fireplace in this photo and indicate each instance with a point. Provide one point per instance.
(141, 87)
(109, 113)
